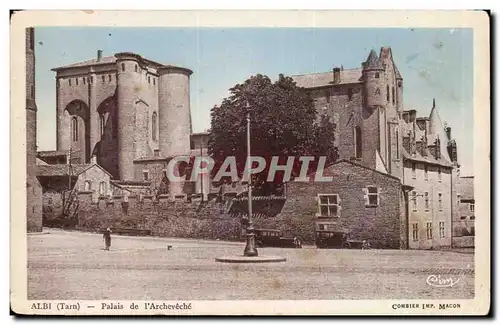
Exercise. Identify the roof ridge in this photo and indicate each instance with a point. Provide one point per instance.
(316, 73)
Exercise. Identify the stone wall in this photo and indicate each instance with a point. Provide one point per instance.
(164, 217)
(381, 225)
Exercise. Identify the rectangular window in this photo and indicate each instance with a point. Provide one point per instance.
(426, 198)
(471, 207)
(372, 197)
(440, 201)
(439, 174)
(441, 229)
(69, 80)
(414, 200)
(429, 230)
(413, 170)
(328, 205)
(415, 231)
(426, 172)
(145, 174)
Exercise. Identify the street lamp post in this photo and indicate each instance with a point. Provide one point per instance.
(250, 249)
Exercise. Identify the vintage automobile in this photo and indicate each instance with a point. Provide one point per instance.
(338, 239)
(275, 238)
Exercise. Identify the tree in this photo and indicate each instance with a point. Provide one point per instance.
(284, 123)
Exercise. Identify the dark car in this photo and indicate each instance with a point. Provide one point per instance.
(275, 238)
(338, 239)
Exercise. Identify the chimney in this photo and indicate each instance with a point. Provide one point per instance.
(336, 75)
(99, 55)
(448, 132)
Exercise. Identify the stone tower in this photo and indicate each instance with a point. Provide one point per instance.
(374, 117)
(33, 188)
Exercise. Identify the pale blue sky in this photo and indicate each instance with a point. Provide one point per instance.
(433, 62)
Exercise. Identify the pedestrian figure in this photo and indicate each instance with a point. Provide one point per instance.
(125, 204)
(107, 238)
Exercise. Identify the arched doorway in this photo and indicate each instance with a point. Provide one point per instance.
(79, 115)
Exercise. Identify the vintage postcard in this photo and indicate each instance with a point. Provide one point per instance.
(250, 163)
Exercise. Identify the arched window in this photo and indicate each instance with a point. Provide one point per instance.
(87, 186)
(388, 94)
(154, 126)
(74, 128)
(123, 66)
(102, 124)
(102, 188)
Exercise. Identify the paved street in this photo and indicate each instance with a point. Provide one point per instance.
(72, 265)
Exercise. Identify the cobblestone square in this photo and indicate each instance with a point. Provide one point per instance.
(73, 265)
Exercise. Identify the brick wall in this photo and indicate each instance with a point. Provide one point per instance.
(380, 225)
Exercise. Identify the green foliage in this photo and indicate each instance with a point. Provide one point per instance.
(284, 123)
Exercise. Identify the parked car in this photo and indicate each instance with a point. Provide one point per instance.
(275, 238)
(338, 239)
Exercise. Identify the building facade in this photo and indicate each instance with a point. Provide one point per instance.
(123, 109)
(33, 188)
(373, 129)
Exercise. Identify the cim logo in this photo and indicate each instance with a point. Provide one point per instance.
(439, 281)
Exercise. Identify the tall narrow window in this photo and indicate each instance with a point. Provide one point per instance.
(393, 96)
(414, 200)
(388, 94)
(349, 93)
(102, 188)
(145, 174)
(471, 207)
(102, 124)
(415, 231)
(442, 234)
(88, 186)
(123, 66)
(136, 68)
(440, 201)
(69, 80)
(74, 128)
(429, 230)
(154, 81)
(413, 170)
(426, 172)
(426, 200)
(358, 143)
(397, 143)
(76, 80)
(149, 79)
(103, 78)
(154, 127)
(109, 77)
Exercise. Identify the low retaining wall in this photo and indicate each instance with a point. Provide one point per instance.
(463, 242)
